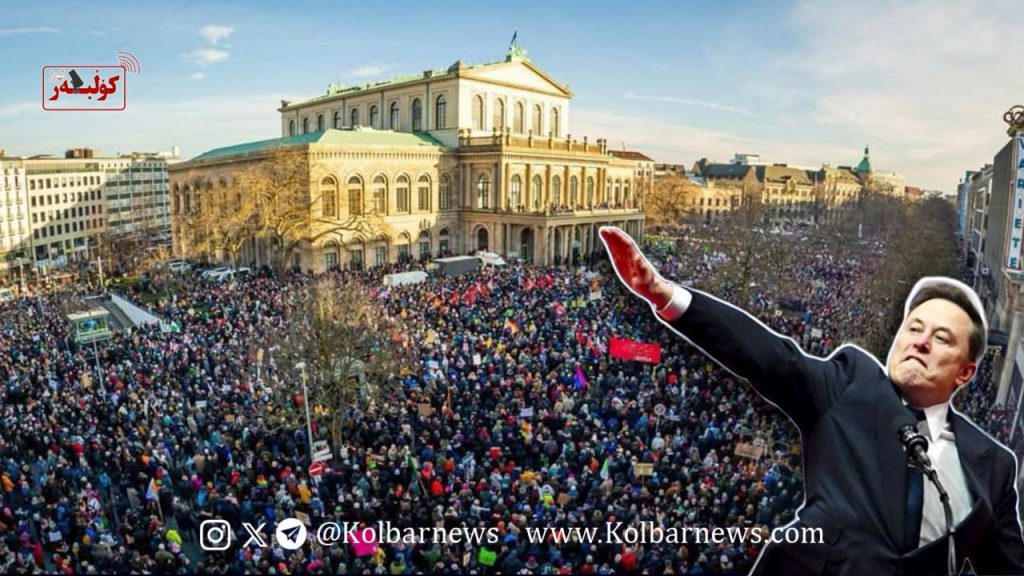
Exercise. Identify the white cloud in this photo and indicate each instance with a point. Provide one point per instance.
(682, 144)
(197, 76)
(925, 83)
(214, 34)
(691, 102)
(367, 71)
(206, 56)
(36, 30)
(97, 33)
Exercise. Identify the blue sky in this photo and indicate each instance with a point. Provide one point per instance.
(925, 83)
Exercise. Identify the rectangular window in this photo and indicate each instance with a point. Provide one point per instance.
(330, 260)
(424, 250)
(403, 251)
(380, 255)
(357, 260)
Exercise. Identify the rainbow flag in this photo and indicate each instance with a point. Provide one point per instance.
(581, 380)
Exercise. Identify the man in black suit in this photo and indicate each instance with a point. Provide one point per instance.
(876, 516)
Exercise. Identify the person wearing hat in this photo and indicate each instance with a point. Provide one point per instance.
(875, 515)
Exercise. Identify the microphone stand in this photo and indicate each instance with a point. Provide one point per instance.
(932, 475)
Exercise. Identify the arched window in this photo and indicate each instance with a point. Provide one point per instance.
(424, 245)
(374, 117)
(423, 193)
(538, 114)
(517, 118)
(353, 117)
(536, 192)
(395, 119)
(329, 198)
(574, 191)
(499, 114)
(355, 196)
(555, 128)
(291, 127)
(417, 115)
(483, 192)
(478, 113)
(319, 122)
(625, 192)
(402, 191)
(336, 123)
(607, 191)
(380, 195)
(446, 190)
(556, 191)
(515, 192)
(305, 125)
(443, 241)
(440, 113)
(618, 191)
(590, 191)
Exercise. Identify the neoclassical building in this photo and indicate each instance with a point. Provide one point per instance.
(451, 162)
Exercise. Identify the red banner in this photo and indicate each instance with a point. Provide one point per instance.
(626, 349)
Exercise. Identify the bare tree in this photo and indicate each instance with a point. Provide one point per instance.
(919, 244)
(284, 200)
(353, 355)
(669, 200)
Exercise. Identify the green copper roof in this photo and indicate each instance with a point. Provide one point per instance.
(865, 164)
(330, 137)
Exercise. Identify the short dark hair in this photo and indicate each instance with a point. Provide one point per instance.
(976, 342)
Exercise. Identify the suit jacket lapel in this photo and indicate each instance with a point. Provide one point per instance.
(975, 457)
(892, 462)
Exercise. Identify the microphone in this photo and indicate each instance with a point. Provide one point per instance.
(916, 446)
(914, 443)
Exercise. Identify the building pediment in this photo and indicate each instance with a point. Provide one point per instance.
(518, 73)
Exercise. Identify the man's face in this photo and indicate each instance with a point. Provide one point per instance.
(930, 357)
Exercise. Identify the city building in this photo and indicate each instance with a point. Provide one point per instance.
(59, 210)
(450, 161)
(15, 230)
(881, 181)
(788, 195)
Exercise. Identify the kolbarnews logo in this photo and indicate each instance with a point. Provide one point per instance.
(88, 87)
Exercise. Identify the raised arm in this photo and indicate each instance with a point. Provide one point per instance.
(803, 386)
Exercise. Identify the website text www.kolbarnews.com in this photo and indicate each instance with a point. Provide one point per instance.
(292, 534)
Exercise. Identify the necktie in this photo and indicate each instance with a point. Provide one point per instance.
(915, 498)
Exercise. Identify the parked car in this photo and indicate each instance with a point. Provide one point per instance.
(178, 266)
(210, 273)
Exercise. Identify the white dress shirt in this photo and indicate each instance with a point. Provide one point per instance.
(941, 450)
(946, 461)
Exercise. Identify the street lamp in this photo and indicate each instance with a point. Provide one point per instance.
(301, 367)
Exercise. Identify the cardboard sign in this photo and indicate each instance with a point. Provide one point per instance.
(643, 469)
(749, 450)
(425, 409)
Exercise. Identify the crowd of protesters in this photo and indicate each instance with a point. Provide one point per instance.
(532, 423)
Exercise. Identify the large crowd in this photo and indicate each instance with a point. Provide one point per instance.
(532, 424)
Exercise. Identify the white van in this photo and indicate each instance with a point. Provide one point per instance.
(490, 259)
